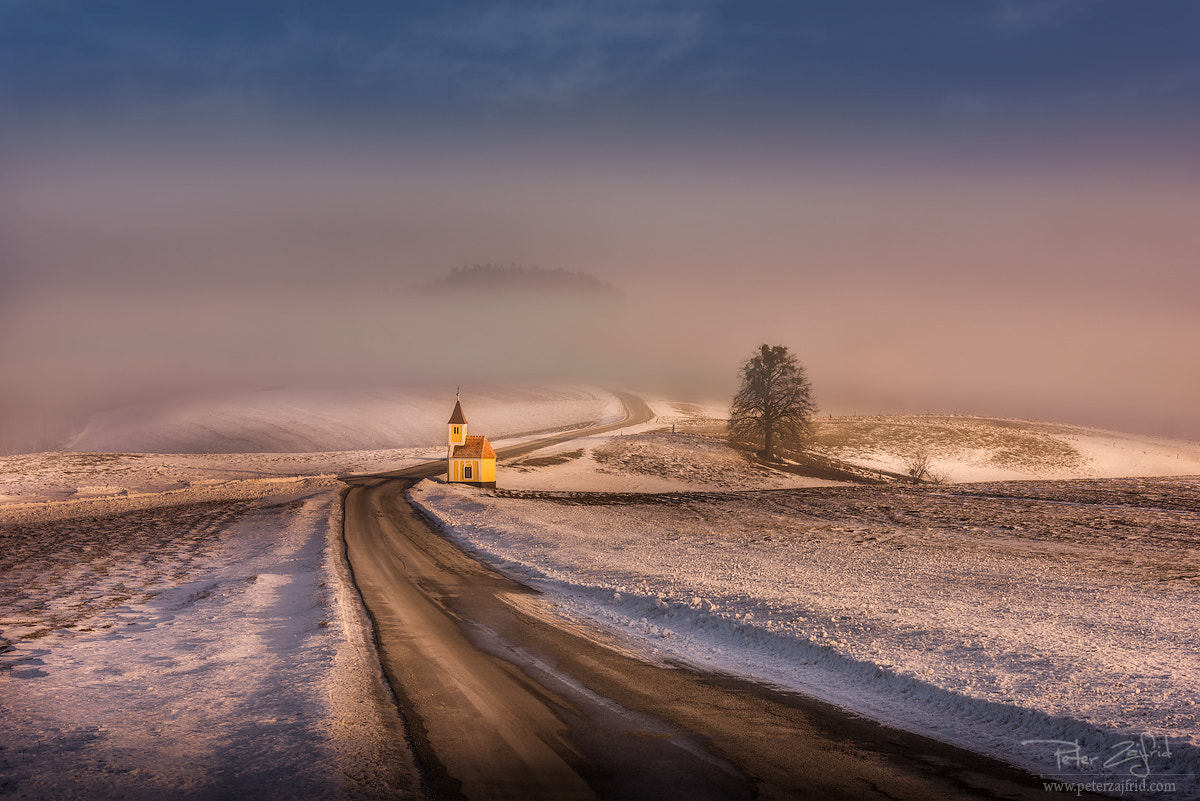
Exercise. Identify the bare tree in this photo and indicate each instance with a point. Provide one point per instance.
(775, 404)
(918, 466)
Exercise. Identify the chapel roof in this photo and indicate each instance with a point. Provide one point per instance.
(457, 419)
(476, 447)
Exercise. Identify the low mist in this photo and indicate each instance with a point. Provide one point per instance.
(1049, 289)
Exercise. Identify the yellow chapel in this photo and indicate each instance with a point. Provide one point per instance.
(469, 459)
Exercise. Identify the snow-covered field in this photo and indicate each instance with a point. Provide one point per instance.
(987, 449)
(289, 421)
(183, 626)
(203, 649)
(1049, 623)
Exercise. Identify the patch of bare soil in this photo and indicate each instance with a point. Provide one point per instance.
(59, 574)
(693, 419)
(817, 465)
(686, 457)
(545, 461)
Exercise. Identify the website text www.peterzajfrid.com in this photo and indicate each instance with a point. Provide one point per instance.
(1140, 786)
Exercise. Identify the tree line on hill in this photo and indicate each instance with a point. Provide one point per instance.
(494, 277)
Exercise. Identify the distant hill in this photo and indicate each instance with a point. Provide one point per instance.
(492, 278)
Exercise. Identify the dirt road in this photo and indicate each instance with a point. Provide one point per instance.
(503, 699)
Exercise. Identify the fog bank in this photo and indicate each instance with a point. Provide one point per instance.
(1042, 286)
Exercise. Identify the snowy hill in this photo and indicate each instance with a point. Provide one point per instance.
(961, 449)
(281, 421)
(969, 449)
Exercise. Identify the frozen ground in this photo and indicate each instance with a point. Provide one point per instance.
(183, 626)
(197, 649)
(1050, 623)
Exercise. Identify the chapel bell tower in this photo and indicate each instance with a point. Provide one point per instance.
(457, 427)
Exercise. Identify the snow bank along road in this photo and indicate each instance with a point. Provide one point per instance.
(504, 699)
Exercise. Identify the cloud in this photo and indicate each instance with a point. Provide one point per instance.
(517, 54)
(1023, 16)
(386, 57)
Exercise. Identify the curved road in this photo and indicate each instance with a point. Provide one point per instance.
(505, 700)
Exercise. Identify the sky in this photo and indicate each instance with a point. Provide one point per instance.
(963, 207)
